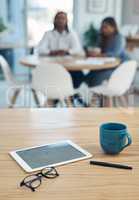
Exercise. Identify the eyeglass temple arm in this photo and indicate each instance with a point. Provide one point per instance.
(23, 184)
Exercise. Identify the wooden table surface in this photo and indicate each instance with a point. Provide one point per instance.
(77, 181)
(69, 63)
(132, 42)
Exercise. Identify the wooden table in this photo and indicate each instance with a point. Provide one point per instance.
(77, 181)
(132, 42)
(70, 63)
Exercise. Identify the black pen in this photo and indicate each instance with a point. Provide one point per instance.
(105, 164)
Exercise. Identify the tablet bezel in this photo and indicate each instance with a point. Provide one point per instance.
(28, 169)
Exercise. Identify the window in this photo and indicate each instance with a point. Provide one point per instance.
(40, 16)
(9, 11)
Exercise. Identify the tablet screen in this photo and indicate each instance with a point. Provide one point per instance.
(50, 154)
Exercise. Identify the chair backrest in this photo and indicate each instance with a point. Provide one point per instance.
(122, 78)
(6, 70)
(52, 80)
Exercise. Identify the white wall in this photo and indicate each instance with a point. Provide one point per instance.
(128, 13)
(130, 17)
(83, 18)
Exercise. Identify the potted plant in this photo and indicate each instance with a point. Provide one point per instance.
(3, 28)
(91, 36)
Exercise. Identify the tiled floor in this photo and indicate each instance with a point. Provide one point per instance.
(25, 98)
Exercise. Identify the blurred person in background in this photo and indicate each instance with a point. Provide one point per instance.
(111, 44)
(61, 42)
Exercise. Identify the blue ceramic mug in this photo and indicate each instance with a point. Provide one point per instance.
(114, 137)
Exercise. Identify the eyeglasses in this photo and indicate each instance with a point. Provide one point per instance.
(34, 181)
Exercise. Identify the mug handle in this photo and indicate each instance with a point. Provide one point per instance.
(129, 140)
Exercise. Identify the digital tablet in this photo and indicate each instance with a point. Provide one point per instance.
(49, 155)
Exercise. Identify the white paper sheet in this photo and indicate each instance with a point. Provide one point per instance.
(96, 61)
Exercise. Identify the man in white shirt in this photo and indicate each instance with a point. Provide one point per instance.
(60, 42)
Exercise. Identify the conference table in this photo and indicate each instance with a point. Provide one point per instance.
(20, 128)
(72, 63)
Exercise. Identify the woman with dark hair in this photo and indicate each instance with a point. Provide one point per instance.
(60, 42)
(57, 23)
(112, 44)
